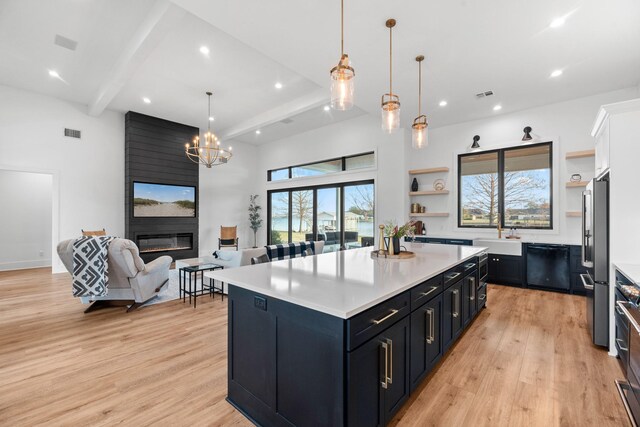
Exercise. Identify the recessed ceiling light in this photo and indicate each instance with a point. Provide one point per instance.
(497, 107)
(54, 73)
(326, 108)
(146, 100)
(443, 103)
(258, 132)
(556, 73)
(211, 119)
(204, 50)
(278, 85)
(558, 22)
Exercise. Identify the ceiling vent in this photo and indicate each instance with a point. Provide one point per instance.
(72, 133)
(65, 42)
(484, 94)
(286, 121)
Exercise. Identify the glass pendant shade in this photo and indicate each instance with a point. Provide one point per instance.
(342, 85)
(390, 112)
(419, 132)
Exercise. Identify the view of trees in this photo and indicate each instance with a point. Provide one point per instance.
(362, 201)
(481, 195)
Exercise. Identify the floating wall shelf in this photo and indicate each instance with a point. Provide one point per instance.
(428, 193)
(580, 154)
(577, 184)
(430, 170)
(430, 214)
(574, 214)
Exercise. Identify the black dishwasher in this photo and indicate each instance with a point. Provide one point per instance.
(548, 266)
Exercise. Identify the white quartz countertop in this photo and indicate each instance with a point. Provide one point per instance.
(345, 283)
(631, 271)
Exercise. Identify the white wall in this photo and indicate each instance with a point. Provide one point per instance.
(358, 135)
(568, 124)
(224, 197)
(89, 172)
(25, 219)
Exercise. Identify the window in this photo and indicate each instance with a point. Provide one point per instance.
(358, 161)
(341, 215)
(512, 185)
(315, 169)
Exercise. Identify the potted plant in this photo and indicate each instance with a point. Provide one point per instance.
(395, 232)
(254, 218)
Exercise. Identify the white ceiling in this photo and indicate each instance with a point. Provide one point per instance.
(129, 50)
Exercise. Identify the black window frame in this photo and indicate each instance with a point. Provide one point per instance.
(501, 153)
(315, 189)
(342, 159)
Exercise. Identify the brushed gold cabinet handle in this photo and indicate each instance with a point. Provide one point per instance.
(390, 378)
(384, 383)
(455, 303)
(431, 327)
(378, 321)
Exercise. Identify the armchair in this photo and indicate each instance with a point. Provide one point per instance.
(228, 237)
(130, 279)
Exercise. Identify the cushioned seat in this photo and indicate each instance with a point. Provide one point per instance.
(130, 279)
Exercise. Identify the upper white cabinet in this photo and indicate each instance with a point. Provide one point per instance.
(601, 134)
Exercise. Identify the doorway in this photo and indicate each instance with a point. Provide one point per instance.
(26, 219)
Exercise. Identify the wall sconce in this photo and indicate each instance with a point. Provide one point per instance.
(527, 134)
(475, 144)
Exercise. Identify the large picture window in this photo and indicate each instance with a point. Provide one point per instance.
(341, 215)
(512, 186)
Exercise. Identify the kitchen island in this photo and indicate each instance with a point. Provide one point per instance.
(341, 338)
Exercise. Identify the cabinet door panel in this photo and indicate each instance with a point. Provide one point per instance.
(366, 373)
(426, 343)
(397, 392)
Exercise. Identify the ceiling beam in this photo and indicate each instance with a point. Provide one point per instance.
(299, 105)
(162, 18)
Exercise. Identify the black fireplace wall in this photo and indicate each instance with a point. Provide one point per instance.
(154, 153)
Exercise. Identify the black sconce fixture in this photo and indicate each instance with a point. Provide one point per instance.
(475, 144)
(527, 134)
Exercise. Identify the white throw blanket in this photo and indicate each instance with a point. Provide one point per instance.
(90, 266)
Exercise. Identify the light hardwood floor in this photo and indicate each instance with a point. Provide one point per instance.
(525, 361)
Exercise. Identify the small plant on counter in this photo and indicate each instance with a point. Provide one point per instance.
(393, 230)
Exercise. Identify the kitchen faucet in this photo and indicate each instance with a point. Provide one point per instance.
(499, 228)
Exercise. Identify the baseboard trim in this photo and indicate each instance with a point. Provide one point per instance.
(24, 265)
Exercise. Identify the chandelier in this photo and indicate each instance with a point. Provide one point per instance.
(211, 153)
(419, 126)
(342, 75)
(390, 101)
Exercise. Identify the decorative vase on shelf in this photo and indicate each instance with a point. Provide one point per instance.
(414, 185)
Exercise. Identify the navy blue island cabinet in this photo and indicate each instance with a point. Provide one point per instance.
(293, 366)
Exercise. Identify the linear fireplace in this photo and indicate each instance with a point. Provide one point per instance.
(153, 243)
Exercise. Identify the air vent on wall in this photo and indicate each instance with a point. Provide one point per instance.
(286, 121)
(484, 94)
(65, 42)
(72, 133)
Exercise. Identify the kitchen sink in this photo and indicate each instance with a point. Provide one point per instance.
(500, 246)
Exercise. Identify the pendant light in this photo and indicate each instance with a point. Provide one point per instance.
(527, 134)
(342, 75)
(210, 153)
(419, 126)
(390, 102)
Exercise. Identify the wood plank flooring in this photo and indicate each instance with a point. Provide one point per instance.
(526, 361)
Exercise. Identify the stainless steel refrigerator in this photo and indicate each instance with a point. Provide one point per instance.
(595, 257)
